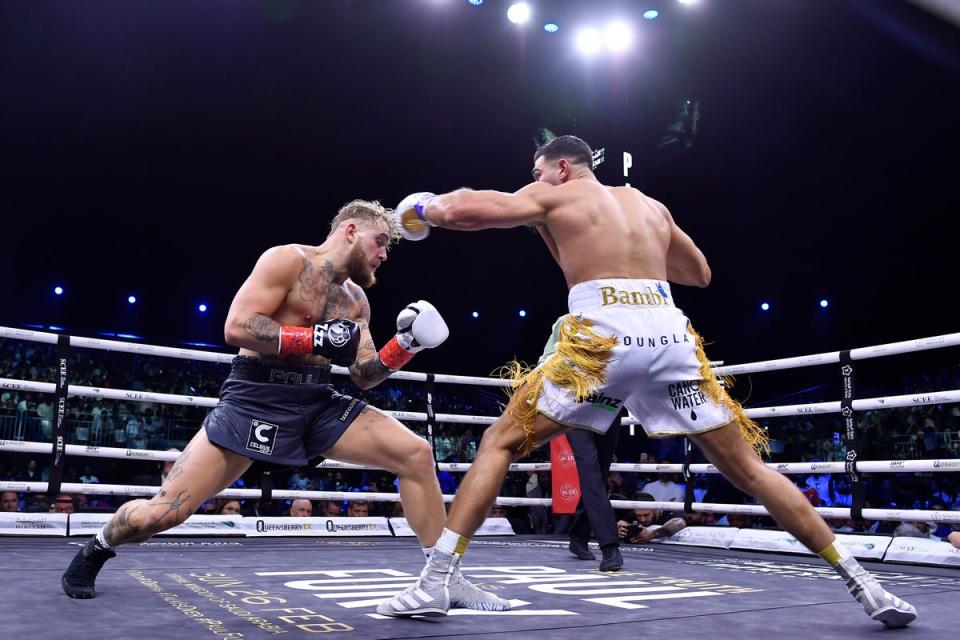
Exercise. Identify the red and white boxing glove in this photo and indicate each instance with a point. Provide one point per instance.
(412, 214)
(419, 326)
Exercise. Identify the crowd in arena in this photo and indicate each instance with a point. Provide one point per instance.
(918, 432)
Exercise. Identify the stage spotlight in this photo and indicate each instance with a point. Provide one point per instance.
(475, 3)
(618, 36)
(523, 313)
(551, 27)
(518, 13)
(824, 303)
(475, 314)
(651, 14)
(765, 306)
(202, 308)
(588, 41)
(58, 290)
(132, 299)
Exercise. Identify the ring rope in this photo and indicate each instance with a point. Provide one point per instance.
(818, 408)
(909, 515)
(861, 353)
(944, 465)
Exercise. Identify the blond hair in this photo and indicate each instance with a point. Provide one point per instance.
(367, 211)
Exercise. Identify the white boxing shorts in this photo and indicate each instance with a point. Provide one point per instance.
(653, 370)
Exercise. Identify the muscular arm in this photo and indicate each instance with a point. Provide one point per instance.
(686, 264)
(249, 324)
(469, 210)
(368, 370)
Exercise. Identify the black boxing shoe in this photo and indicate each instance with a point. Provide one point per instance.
(78, 579)
(612, 559)
(580, 548)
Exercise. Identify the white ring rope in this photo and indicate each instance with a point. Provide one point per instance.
(786, 468)
(818, 408)
(861, 353)
(906, 515)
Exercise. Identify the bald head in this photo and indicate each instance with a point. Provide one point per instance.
(301, 508)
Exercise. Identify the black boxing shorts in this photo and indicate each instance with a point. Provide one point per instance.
(278, 412)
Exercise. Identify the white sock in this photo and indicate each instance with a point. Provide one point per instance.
(452, 543)
(102, 541)
(426, 552)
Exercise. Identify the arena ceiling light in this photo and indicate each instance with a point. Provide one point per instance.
(588, 41)
(618, 36)
(519, 13)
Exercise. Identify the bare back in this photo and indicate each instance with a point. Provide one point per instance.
(596, 231)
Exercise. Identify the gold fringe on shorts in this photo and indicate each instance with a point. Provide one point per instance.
(710, 385)
(579, 365)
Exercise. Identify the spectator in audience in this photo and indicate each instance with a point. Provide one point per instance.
(954, 539)
(635, 528)
(228, 507)
(819, 482)
(34, 473)
(264, 508)
(358, 509)
(331, 508)
(664, 489)
(737, 520)
(45, 411)
(9, 501)
(64, 504)
(301, 508)
(698, 519)
(918, 529)
(840, 525)
(88, 477)
(154, 479)
(37, 503)
(538, 513)
(497, 511)
(102, 423)
(299, 481)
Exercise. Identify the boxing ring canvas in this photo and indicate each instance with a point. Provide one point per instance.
(299, 588)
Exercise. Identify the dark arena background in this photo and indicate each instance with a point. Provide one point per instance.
(151, 151)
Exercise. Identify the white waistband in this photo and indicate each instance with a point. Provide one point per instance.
(623, 293)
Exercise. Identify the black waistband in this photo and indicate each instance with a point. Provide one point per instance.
(254, 369)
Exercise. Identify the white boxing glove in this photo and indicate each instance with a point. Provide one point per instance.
(411, 214)
(419, 326)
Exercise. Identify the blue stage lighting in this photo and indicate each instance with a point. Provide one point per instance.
(475, 314)
(551, 27)
(651, 14)
(58, 290)
(475, 3)
(132, 299)
(523, 313)
(824, 303)
(765, 306)
(202, 308)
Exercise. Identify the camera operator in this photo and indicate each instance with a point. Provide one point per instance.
(634, 527)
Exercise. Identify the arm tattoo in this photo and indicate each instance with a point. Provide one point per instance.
(262, 328)
(372, 371)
